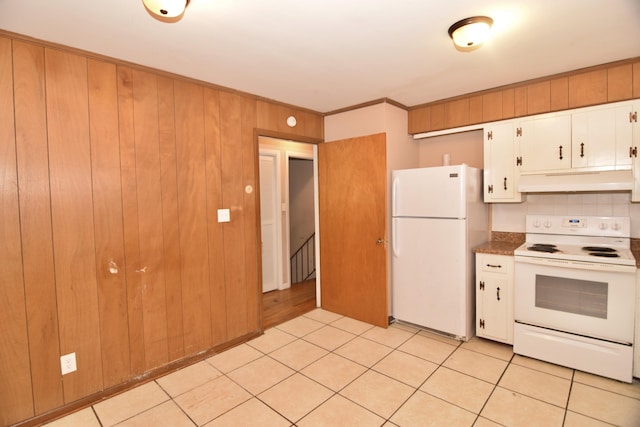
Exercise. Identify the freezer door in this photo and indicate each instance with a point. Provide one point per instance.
(429, 192)
(431, 284)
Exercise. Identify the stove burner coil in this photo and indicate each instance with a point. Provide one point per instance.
(605, 254)
(598, 249)
(543, 247)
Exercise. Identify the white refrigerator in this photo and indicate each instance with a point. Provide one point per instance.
(438, 216)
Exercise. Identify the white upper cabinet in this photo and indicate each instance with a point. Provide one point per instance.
(590, 139)
(500, 170)
(601, 137)
(545, 142)
(634, 120)
(581, 141)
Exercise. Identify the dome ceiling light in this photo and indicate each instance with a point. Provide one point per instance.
(166, 9)
(470, 32)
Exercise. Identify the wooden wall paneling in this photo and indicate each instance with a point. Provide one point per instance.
(272, 116)
(313, 125)
(539, 97)
(475, 109)
(492, 106)
(508, 103)
(267, 115)
(107, 213)
(16, 401)
(620, 83)
(251, 215)
(520, 101)
(192, 187)
(456, 113)
(420, 120)
(438, 117)
(35, 225)
(559, 94)
(148, 178)
(214, 228)
(170, 218)
(72, 218)
(130, 220)
(636, 79)
(231, 154)
(588, 88)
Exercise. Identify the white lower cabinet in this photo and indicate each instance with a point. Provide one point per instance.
(494, 297)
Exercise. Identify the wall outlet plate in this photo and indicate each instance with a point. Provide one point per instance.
(68, 363)
(224, 215)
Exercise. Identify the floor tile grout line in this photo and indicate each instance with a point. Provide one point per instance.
(495, 386)
(173, 399)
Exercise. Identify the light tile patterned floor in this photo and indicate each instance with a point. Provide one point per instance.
(322, 369)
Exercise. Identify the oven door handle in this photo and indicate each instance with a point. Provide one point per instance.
(579, 265)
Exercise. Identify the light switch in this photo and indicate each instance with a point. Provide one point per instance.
(223, 215)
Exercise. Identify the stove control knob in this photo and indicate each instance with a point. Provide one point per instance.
(603, 226)
(548, 224)
(536, 223)
(616, 226)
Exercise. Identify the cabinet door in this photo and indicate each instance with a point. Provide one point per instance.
(601, 138)
(500, 174)
(545, 143)
(633, 150)
(493, 312)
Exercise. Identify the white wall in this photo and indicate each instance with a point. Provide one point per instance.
(462, 147)
(511, 216)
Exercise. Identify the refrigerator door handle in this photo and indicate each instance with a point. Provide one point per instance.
(394, 246)
(394, 195)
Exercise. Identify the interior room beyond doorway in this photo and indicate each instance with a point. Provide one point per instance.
(288, 223)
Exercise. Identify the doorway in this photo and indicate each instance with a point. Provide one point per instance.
(288, 223)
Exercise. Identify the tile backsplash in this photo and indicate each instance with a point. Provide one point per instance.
(510, 217)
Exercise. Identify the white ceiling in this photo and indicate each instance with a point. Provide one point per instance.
(330, 54)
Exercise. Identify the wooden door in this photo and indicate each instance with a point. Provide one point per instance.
(353, 217)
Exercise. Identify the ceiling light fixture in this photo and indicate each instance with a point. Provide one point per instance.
(470, 32)
(166, 8)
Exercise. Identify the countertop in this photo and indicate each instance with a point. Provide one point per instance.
(504, 243)
(501, 243)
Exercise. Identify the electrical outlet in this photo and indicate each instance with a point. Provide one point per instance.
(68, 363)
(223, 215)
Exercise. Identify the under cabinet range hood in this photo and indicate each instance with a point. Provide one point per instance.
(561, 182)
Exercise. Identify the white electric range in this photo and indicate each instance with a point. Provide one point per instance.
(574, 296)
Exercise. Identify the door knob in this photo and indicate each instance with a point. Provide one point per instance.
(380, 242)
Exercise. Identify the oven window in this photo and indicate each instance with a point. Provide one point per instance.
(572, 296)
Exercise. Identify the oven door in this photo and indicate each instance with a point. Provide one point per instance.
(590, 299)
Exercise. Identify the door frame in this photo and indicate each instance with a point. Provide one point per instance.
(277, 214)
(316, 212)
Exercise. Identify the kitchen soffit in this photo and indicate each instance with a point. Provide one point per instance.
(330, 54)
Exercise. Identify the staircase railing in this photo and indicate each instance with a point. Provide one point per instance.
(303, 261)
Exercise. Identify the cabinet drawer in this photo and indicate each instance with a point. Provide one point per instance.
(489, 263)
